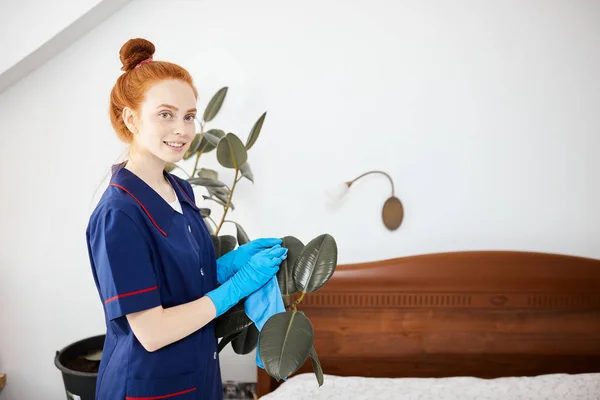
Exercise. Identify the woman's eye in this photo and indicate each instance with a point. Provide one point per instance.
(191, 117)
(164, 113)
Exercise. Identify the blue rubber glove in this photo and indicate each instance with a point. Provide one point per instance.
(254, 273)
(230, 263)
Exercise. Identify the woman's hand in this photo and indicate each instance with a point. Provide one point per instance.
(254, 274)
(230, 263)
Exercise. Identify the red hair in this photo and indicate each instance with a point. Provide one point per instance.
(131, 87)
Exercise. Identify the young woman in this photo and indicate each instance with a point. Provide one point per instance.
(152, 257)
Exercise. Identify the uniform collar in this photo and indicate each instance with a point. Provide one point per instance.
(156, 208)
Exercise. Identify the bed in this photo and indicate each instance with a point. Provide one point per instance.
(458, 325)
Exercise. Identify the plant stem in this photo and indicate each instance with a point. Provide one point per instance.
(196, 164)
(299, 300)
(288, 301)
(349, 183)
(237, 171)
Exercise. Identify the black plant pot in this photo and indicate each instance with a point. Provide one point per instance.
(79, 385)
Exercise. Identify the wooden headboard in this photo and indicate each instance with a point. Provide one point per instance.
(479, 313)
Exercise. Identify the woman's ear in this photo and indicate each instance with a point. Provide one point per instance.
(129, 118)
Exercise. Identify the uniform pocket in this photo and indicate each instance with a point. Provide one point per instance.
(178, 387)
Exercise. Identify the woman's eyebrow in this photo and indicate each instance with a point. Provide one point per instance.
(175, 108)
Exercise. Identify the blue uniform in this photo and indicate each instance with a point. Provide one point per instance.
(144, 254)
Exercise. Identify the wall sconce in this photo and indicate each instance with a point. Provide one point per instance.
(392, 212)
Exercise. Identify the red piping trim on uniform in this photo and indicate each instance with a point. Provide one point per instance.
(185, 192)
(144, 208)
(160, 397)
(131, 293)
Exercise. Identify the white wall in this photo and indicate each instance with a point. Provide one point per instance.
(484, 112)
(28, 24)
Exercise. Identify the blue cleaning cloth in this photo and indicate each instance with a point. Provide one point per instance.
(262, 305)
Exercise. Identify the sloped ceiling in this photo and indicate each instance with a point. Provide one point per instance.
(34, 31)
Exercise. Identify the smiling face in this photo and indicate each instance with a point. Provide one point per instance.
(164, 126)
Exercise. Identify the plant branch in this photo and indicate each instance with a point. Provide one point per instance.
(299, 300)
(235, 181)
(196, 163)
(349, 183)
(287, 301)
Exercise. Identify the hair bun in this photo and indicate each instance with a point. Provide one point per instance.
(135, 51)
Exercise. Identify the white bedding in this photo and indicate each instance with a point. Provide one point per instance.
(543, 387)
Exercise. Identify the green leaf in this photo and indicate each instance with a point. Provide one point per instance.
(205, 212)
(205, 182)
(231, 152)
(214, 105)
(216, 132)
(223, 244)
(210, 140)
(205, 146)
(286, 268)
(225, 341)
(247, 172)
(242, 236)
(316, 365)
(169, 167)
(220, 193)
(208, 174)
(316, 264)
(220, 190)
(246, 341)
(228, 243)
(215, 200)
(233, 321)
(218, 202)
(193, 149)
(285, 343)
(255, 131)
(209, 226)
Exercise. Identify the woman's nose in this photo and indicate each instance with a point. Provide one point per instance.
(179, 129)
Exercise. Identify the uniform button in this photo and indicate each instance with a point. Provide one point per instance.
(201, 271)
(215, 355)
(189, 228)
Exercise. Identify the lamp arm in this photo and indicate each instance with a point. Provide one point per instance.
(349, 183)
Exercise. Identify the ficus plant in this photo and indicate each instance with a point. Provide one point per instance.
(286, 340)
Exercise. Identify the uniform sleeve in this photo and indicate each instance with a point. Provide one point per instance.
(123, 264)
